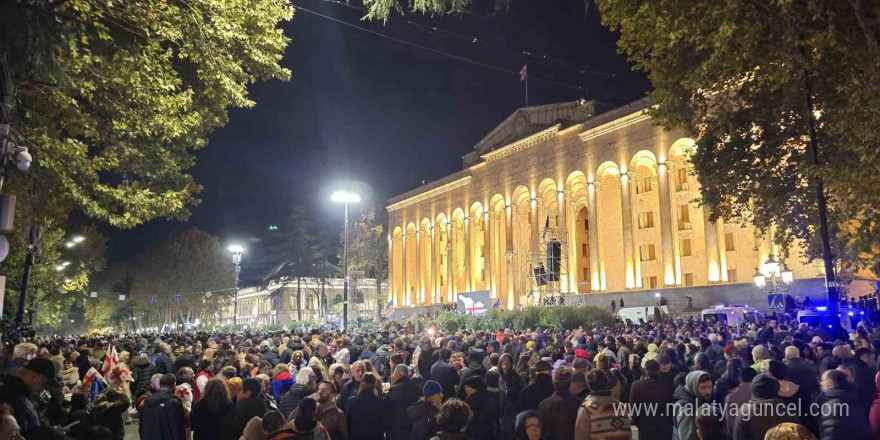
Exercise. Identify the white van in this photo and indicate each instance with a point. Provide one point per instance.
(732, 316)
(646, 313)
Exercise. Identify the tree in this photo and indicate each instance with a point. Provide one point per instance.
(112, 99)
(368, 251)
(734, 73)
(191, 264)
(297, 252)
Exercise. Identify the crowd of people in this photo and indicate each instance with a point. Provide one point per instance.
(672, 380)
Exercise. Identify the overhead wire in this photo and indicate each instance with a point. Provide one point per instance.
(458, 57)
(432, 29)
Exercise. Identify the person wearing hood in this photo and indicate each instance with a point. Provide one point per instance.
(282, 381)
(422, 415)
(486, 415)
(531, 396)
(558, 412)
(762, 412)
(598, 417)
(161, 416)
(841, 417)
(511, 382)
(474, 368)
(695, 392)
(403, 394)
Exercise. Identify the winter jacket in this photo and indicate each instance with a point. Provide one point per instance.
(290, 400)
(425, 360)
(847, 424)
(485, 423)
(164, 364)
(598, 419)
(874, 413)
(558, 414)
(367, 416)
(423, 417)
(108, 409)
(282, 383)
(801, 373)
(16, 393)
(184, 360)
(758, 416)
(368, 354)
(403, 394)
(512, 384)
(685, 396)
(475, 368)
(162, 418)
(651, 392)
(446, 375)
(206, 423)
(141, 373)
(531, 396)
(232, 427)
(737, 398)
(349, 389)
(334, 420)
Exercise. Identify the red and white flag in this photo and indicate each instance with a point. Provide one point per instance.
(111, 360)
(524, 72)
(91, 375)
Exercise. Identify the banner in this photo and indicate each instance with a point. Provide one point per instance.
(473, 303)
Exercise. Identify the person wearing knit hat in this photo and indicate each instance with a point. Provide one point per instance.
(423, 414)
(581, 353)
(759, 353)
(789, 431)
(253, 430)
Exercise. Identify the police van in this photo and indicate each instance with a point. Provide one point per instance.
(732, 316)
(645, 313)
(819, 316)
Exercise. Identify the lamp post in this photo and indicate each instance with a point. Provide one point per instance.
(773, 277)
(236, 251)
(345, 197)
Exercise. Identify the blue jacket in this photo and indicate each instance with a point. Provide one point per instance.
(446, 375)
(283, 382)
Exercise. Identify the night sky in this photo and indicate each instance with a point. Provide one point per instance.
(364, 108)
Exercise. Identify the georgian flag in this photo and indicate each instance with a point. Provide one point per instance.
(524, 72)
(111, 360)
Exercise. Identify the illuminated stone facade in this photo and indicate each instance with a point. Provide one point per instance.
(614, 189)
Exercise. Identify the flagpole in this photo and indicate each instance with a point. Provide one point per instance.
(527, 85)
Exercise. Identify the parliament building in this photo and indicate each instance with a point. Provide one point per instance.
(582, 201)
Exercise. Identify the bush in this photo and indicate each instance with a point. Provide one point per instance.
(558, 318)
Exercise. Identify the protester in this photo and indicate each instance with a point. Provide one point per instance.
(454, 417)
(366, 411)
(598, 416)
(650, 391)
(528, 426)
(162, 416)
(695, 392)
(559, 411)
(422, 415)
(403, 394)
(208, 411)
(249, 403)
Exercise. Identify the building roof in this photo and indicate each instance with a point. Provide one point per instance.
(527, 121)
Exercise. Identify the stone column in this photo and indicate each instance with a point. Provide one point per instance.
(596, 278)
(628, 231)
(433, 261)
(508, 254)
(533, 218)
(666, 221)
(392, 294)
(713, 261)
(417, 292)
(563, 226)
(468, 269)
(487, 255)
(450, 284)
(405, 294)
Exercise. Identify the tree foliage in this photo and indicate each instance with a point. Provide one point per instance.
(113, 97)
(368, 251)
(734, 74)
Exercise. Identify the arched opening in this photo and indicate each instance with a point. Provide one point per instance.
(441, 253)
(498, 257)
(459, 277)
(477, 248)
(649, 273)
(521, 260)
(579, 241)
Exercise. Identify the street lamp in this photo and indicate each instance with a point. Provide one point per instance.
(345, 197)
(773, 277)
(236, 251)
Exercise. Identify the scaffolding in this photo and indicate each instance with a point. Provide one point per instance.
(547, 264)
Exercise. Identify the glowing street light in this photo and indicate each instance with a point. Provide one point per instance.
(345, 197)
(236, 251)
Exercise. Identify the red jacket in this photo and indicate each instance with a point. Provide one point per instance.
(197, 394)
